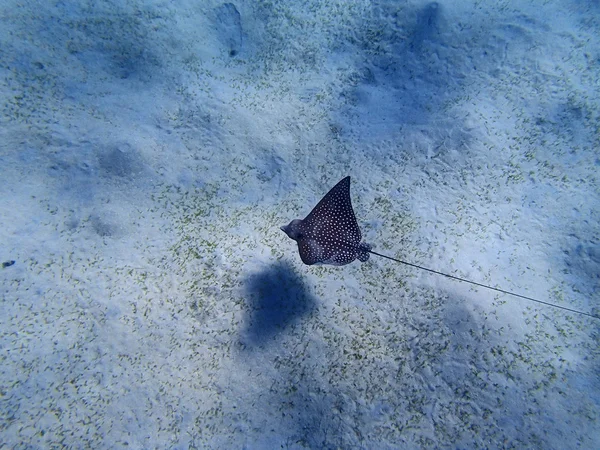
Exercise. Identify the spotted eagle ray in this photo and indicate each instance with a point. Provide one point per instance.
(330, 235)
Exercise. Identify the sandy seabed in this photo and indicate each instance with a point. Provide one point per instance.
(150, 150)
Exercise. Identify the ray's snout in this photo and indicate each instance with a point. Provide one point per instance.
(292, 229)
(286, 229)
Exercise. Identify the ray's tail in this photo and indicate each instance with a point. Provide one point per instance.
(368, 248)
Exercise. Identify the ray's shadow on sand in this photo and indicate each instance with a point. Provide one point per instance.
(276, 298)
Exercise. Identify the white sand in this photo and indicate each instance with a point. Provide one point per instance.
(154, 302)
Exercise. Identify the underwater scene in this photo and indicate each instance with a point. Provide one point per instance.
(309, 224)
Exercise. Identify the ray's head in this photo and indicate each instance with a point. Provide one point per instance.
(294, 229)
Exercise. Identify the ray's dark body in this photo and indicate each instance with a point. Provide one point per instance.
(330, 233)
